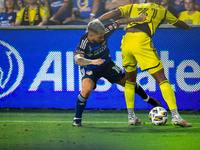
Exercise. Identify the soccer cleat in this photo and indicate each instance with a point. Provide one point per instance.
(134, 121)
(180, 122)
(77, 123)
(154, 102)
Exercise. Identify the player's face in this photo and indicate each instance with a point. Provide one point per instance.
(98, 38)
(189, 5)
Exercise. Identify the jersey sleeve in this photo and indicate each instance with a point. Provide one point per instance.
(170, 18)
(44, 12)
(125, 10)
(20, 14)
(80, 48)
(110, 28)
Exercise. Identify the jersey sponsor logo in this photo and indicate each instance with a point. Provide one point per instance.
(10, 17)
(90, 54)
(56, 4)
(89, 72)
(10, 64)
(188, 21)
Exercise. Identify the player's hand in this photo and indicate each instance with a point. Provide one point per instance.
(142, 17)
(98, 61)
(190, 28)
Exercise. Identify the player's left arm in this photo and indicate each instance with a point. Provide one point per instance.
(182, 25)
(176, 22)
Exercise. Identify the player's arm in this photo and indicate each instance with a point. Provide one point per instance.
(182, 25)
(81, 61)
(178, 23)
(109, 15)
(140, 18)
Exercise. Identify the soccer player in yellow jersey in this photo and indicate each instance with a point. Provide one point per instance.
(190, 16)
(32, 14)
(137, 47)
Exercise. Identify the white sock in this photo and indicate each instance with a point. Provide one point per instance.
(131, 113)
(175, 114)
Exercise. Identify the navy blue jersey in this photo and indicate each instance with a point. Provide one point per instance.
(92, 51)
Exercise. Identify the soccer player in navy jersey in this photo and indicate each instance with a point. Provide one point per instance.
(93, 55)
(137, 47)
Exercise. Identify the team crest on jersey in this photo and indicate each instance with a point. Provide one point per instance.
(82, 5)
(89, 72)
(90, 48)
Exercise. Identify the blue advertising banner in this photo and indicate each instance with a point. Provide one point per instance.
(37, 70)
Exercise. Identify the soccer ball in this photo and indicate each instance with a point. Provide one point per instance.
(158, 116)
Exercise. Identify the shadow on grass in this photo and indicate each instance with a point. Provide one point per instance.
(167, 129)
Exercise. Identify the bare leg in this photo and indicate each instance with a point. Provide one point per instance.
(87, 87)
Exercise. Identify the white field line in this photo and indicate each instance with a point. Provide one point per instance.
(106, 122)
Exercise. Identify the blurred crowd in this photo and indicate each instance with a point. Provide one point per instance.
(80, 12)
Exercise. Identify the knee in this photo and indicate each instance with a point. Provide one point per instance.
(86, 93)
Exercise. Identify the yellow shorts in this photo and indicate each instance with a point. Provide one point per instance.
(138, 47)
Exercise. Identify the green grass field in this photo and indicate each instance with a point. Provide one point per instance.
(32, 129)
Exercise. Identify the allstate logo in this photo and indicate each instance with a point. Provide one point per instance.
(11, 69)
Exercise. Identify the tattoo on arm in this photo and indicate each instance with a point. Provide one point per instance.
(128, 20)
(81, 61)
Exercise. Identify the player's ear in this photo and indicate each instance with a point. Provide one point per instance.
(90, 35)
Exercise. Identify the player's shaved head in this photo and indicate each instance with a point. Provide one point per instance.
(96, 26)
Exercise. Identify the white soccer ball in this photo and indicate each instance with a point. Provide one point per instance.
(158, 116)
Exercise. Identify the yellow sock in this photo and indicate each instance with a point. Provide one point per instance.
(129, 94)
(168, 94)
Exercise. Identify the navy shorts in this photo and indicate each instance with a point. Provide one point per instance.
(110, 71)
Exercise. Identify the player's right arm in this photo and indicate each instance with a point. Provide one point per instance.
(82, 61)
(140, 18)
(109, 15)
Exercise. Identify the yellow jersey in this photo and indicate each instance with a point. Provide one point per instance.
(43, 11)
(190, 19)
(155, 15)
